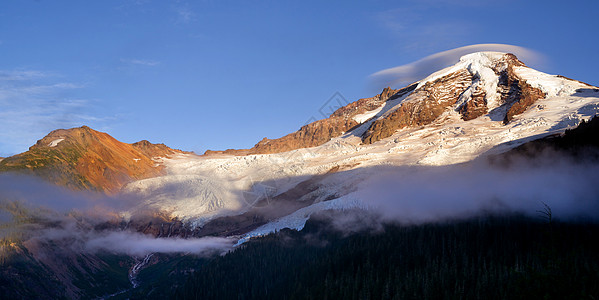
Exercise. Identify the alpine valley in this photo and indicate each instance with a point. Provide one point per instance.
(478, 181)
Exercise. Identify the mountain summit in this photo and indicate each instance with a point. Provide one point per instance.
(404, 155)
(491, 85)
(488, 102)
(83, 158)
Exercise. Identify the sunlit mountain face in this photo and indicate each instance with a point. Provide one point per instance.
(486, 149)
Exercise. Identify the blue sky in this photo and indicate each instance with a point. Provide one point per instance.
(200, 75)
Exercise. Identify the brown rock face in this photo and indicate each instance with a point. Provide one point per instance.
(82, 158)
(517, 94)
(318, 132)
(366, 104)
(155, 150)
(421, 108)
(238, 152)
(311, 135)
(476, 107)
(322, 131)
(527, 96)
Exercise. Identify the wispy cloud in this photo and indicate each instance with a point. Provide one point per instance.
(139, 244)
(185, 15)
(22, 75)
(33, 103)
(417, 70)
(142, 62)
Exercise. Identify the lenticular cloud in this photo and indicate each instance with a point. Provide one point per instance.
(406, 74)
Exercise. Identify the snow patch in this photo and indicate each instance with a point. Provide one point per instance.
(361, 118)
(55, 142)
(297, 220)
(551, 85)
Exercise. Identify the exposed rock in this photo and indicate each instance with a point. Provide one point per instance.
(516, 93)
(239, 152)
(527, 96)
(82, 158)
(311, 135)
(365, 104)
(476, 107)
(317, 132)
(428, 102)
(155, 150)
(422, 107)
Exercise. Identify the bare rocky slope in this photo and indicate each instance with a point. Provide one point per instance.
(83, 158)
(318, 132)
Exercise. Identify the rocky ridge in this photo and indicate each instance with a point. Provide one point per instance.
(481, 84)
(317, 132)
(83, 158)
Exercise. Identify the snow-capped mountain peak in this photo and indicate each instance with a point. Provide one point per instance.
(479, 63)
(488, 102)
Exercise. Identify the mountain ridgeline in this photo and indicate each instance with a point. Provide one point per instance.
(481, 84)
(486, 85)
(424, 191)
(86, 159)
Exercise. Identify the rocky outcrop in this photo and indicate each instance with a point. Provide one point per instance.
(238, 152)
(425, 105)
(476, 106)
(311, 135)
(366, 104)
(527, 95)
(517, 94)
(318, 132)
(322, 131)
(82, 158)
(155, 150)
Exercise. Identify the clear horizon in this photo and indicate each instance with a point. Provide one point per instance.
(219, 75)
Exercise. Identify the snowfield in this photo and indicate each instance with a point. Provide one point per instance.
(198, 189)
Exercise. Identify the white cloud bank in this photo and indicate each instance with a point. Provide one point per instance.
(138, 244)
(428, 194)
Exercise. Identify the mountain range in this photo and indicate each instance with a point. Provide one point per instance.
(487, 103)
(479, 109)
